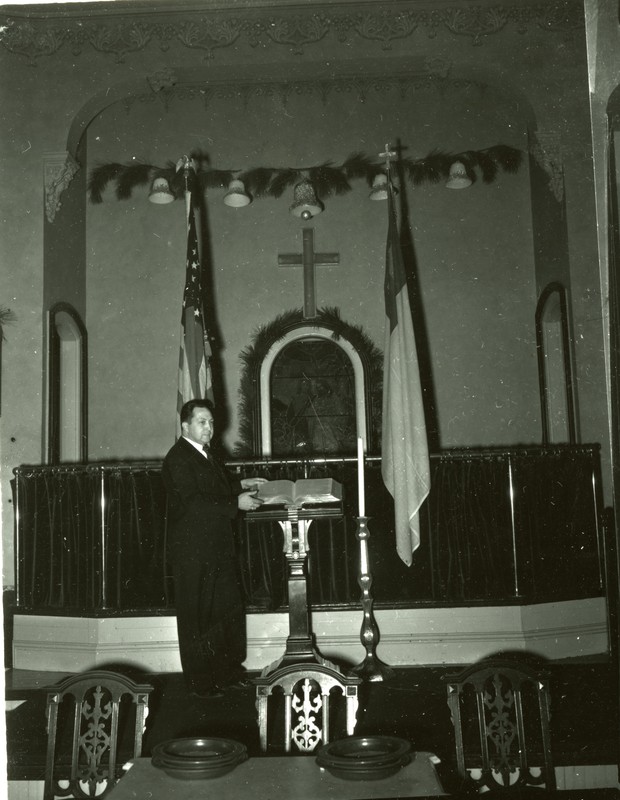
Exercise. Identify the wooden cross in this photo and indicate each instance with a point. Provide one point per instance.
(308, 260)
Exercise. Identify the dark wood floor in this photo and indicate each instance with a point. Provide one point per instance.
(411, 705)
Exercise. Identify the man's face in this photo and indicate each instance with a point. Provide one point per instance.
(200, 426)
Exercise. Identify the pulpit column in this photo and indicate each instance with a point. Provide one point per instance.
(295, 523)
(299, 645)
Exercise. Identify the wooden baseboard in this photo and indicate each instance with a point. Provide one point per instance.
(408, 637)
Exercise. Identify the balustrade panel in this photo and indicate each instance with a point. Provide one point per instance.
(557, 515)
(58, 548)
(135, 543)
(518, 525)
(468, 526)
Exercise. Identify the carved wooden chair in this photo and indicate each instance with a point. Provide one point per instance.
(308, 691)
(500, 713)
(95, 723)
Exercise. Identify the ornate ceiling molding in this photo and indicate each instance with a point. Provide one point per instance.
(167, 89)
(295, 28)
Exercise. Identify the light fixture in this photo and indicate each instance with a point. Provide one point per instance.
(305, 203)
(160, 192)
(459, 179)
(379, 189)
(236, 196)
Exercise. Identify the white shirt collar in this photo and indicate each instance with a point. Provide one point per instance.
(197, 445)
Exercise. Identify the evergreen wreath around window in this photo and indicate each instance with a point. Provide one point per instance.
(248, 445)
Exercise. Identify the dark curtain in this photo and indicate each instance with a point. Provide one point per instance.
(498, 526)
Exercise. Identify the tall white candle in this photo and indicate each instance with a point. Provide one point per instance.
(360, 476)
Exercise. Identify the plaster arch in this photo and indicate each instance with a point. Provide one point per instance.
(245, 75)
(95, 106)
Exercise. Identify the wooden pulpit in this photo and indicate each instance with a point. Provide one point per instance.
(295, 524)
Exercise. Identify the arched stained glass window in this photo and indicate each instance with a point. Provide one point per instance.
(312, 400)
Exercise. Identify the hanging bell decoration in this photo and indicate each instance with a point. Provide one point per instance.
(305, 203)
(236, 196)
(160, 192)
(379, 189)
(459, 179)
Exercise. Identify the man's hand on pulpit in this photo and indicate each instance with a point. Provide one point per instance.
(247, 501)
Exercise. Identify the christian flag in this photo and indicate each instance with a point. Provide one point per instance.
(404, 451)
(195, 351)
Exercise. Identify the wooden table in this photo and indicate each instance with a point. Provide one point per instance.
(277, 778)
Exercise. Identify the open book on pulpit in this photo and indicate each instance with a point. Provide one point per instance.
(304, 492)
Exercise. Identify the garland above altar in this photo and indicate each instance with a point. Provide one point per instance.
(327, 178)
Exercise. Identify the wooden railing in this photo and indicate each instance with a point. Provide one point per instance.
(500, 525)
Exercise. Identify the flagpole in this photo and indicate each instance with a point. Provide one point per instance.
(404, 448)
(194, 369)
(185, 163)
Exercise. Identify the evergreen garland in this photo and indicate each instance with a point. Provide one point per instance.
(6, 317)
(328, 179)
(267, 335)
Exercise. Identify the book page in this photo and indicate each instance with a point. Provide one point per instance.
(317, 490)
(304, 491)
(276, 492)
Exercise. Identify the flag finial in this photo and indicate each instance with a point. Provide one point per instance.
(186, 163)
(387, 154)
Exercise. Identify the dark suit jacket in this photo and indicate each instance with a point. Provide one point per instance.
(202, 502)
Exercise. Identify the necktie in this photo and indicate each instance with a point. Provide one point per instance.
(214, 462)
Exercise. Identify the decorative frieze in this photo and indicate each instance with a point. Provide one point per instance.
(436, 74)
(163, 79)
(297, 28)
(209, 34)
(23, 38)
(120, 38)
(387, 26)
(477, 22)
(297, 32)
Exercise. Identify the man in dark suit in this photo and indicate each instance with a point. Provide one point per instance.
(203, 499)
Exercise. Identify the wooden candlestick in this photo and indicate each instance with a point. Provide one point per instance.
(371, 668)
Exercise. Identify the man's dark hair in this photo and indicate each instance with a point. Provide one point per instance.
(188, 408)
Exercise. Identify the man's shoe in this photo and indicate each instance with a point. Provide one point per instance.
(208, 694)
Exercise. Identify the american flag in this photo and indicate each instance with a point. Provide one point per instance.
(195, 351)
(404, 449)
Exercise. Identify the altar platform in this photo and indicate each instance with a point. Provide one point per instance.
(408, 636)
